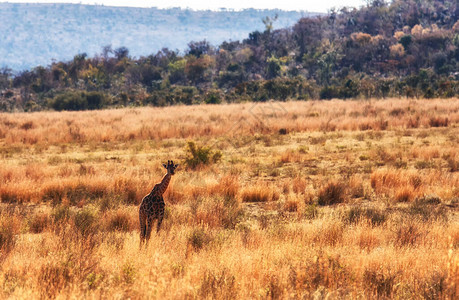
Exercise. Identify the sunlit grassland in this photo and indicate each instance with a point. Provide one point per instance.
(353, 199)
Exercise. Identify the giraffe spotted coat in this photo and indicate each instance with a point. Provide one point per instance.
(152, 205)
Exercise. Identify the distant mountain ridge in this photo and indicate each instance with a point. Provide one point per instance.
(37, 34)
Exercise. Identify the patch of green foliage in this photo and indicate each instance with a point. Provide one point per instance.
(76, 100)
(200, 155)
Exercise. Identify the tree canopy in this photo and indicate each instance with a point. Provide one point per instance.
(402, 48)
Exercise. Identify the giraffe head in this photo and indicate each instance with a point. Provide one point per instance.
(170, 167)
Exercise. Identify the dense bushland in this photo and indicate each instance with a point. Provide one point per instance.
(402, 48)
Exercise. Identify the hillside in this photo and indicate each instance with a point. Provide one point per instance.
(404, 48)
(35, 34)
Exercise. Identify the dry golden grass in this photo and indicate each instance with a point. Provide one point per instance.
(340, 199)
(185, 122)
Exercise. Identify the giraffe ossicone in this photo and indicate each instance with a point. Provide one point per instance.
(152, 205)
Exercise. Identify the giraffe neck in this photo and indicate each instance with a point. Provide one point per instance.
(164, 183)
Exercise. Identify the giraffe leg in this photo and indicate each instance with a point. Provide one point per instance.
(143, 227)
(149, 227)
(160, 216)
(160, 220)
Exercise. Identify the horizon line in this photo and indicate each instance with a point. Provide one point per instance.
(220, 9)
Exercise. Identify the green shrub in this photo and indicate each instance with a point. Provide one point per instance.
(128, 273)
(329, 92)
(199, 238)
(311, 211)
(69, 101)
(60, 214)
(95, 100)
(73, 100)
(86, 221)
(406, 41)
(200, 155)
(213, 97)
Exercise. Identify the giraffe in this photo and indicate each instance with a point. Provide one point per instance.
(152, 206)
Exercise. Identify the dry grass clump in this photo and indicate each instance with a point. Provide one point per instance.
(217, 212)
(409, 185)
(408, 234)
(259, 193)
(368, 240)
(403, 186)
(330, 233)
(16, 193)
(227, 187)
(321, 271)
(218, 285)
(372, 216)
(404, 194)
(452, 278)
(452, 160)
(290, 156)
(292, 205)
(55, 277)
(383, 156)
(175, 194)
(333, 192)
(356, 187)
(39, 222)
(299, 185)
(379, 283)
(436, 121)
(120, 221)
(10, 226)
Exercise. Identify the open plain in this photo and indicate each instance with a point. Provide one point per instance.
(341, 199)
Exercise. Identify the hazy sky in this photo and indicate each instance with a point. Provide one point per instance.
(308, 5)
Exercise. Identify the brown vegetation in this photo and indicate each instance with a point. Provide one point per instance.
(342, 212)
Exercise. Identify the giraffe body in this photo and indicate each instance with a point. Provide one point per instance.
(152, 206)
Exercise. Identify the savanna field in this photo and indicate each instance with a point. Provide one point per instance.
(278, 200)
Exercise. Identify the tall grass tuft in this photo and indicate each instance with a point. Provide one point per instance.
(404, 194)
(332, 193)
(407, 234)
(227, 187)
(218, 212)
(322, 270)
(218, 285)
(119, 220)
(379, 283)
(39, 222)
(10, 226)
(53, 278)
(373, 216)
(259, 193)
